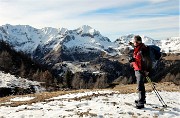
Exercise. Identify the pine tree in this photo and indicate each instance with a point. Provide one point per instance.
(5, 60)
(36, 76)
(90, 83)
(22, 70)
(76, 80)
(101, 82)
(68, 78)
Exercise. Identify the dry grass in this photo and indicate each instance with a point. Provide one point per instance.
(172, 57)
(124, 89)
(39, 97)
(165, 86)
(87, 113)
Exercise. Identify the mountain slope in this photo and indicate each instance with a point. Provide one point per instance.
(21, 65)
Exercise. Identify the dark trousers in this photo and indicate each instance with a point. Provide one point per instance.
(140, 86)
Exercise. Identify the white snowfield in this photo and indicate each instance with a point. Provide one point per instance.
(10, 81)
(22, 98)
(96, 104)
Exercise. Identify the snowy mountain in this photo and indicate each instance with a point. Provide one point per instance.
(129, 38)
(171, 45)
(88, 39)
(84, 39)
(26, 38)
(51, 45)
(22, 38)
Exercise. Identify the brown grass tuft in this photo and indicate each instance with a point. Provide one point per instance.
(165, 86)
(39, 97)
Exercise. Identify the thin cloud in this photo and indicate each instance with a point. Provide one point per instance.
(111, 18)
(158, 1)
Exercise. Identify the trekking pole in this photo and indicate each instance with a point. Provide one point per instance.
(156, 92)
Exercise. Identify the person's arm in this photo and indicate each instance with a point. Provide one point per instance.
(131, 44)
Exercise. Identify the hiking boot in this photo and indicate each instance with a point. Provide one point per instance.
(137, 101)
(139, 106)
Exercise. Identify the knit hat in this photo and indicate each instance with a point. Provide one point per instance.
(137, 39)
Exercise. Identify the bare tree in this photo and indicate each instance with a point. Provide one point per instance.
(22, 70)
(101, 82)
(5, 60)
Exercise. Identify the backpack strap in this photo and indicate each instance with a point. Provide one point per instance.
(138, 48)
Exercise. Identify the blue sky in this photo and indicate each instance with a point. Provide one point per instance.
(158, 19)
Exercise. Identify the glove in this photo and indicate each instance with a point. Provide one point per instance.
(144, 73)
(130, 43)
(132, 59)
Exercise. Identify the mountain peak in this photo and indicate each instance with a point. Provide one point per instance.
(63, 30)
(10, 27)
(127, 38)
(86, 29)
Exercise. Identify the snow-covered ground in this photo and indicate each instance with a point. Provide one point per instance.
(96, 104)
(22, 98)
(10, 81)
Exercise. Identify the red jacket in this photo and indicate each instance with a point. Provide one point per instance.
(137, 65)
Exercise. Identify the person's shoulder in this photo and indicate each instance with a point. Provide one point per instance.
(144, 47)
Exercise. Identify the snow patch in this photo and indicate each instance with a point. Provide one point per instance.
(22, 98)
(10, 81)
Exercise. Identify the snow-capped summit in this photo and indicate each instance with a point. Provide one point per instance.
(125, 39)
(148, 41)
(63, 31)
(49, 30)
(85, 29)
(22, 37)
(171, 45)
(129, 38)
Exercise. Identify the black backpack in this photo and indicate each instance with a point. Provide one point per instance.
(150, 57)
(155, 52)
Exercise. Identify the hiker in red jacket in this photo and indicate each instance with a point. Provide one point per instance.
(137, 62)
